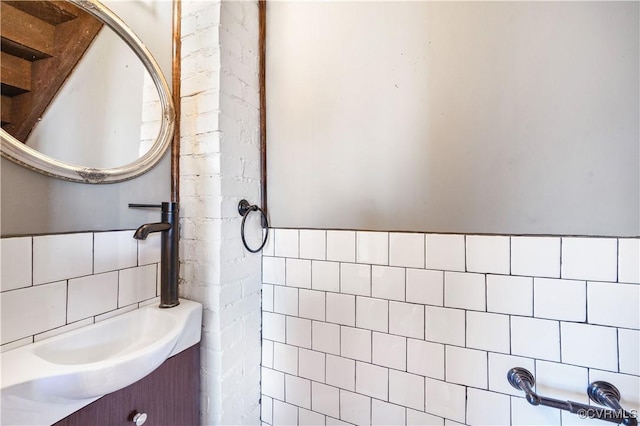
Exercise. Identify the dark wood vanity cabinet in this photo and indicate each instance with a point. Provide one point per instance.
(169, 396)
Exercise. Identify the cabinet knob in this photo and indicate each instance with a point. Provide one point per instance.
(139, 418)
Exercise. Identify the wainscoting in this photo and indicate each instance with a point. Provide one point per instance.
(421, 329)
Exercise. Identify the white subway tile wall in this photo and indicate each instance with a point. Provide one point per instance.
(421, 329)
(372, 314)
(372, 380)
(562, 381)
(137, 284)
(383, 413)
(298, 273)
(425, 287)
(389, 351)
(16, 268)
(488, 254)
(629, 261)
(523, 413)
(55, 283)
(535, 256)
(286, 242)
(355, 279)
(407, 250)
(149, 250)
(285, 358)
(372, 247)
(309, 418)
(560, 299)
(341, 246)
(324, 275)
(92, 295)
(387, 282)
(114, 250)
(446, 252)
(58, 257)
(313, 244)
(629, 347)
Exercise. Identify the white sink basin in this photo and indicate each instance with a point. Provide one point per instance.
(41, 382)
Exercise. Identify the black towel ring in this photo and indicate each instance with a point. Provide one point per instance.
(244, 208)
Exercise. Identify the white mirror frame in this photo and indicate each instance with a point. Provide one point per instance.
(18, 152)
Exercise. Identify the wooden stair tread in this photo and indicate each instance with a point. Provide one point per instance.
(52, 12)
(15, 72)
(40, 35)
(24, 52)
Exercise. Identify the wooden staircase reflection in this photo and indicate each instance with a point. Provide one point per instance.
(42, 41)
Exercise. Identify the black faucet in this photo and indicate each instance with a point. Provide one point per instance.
(169, 250)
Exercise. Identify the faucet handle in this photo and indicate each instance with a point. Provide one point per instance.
(144, 206)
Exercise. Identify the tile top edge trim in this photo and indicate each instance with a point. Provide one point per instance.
(487, 234)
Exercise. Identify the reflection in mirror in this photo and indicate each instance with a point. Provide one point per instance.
(116, 130)
(80, 100)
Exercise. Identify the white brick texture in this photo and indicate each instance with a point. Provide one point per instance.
(220, 164)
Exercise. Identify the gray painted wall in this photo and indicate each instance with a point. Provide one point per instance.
(470, 117)
(33, 203)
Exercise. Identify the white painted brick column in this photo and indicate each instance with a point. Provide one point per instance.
(220, 164)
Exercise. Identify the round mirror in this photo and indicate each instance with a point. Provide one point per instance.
(93, 109)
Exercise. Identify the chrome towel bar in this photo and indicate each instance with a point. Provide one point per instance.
(601, 392)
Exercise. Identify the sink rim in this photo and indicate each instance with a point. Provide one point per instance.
(41, 346)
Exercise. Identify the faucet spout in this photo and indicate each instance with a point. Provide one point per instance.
(143, 232)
